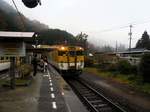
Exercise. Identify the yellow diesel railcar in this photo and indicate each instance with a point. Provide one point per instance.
(68, 59)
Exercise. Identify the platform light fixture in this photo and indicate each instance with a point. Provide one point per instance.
(31, 3)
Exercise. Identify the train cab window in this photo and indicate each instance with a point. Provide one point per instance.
(80, 53)
(72, 53)
(61, 53)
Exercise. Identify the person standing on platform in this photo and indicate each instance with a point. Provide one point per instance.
(35, 63)
(45, 64)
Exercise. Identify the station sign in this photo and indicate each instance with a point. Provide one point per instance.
(12, 49)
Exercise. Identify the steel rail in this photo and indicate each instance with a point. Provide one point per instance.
(4, 74)
(95, 101)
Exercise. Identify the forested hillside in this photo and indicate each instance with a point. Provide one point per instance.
(10, 21)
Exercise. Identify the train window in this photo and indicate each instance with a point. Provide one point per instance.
(80, 53)
(61, 53)
(72, 53)
(2, 58)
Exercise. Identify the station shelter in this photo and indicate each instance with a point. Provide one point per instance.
(12, 45)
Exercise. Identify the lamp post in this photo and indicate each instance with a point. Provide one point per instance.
(36, 40)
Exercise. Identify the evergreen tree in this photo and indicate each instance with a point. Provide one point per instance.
(144, 42)
(144, 67)
(82, 39)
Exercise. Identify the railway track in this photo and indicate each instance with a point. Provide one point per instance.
(4, 74)
(94, 101)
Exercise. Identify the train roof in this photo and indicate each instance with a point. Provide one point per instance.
(68, 47)
(59, 47)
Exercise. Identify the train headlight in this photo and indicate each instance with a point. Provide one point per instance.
(62, 48)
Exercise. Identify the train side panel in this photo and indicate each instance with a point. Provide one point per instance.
(53, 58)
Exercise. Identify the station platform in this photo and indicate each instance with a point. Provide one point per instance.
(48, 92)
(56, 95)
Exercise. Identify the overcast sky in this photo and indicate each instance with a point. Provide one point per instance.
(105, 21)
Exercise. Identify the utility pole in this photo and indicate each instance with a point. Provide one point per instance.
(116, 47)
(130, 34)
(36, 40)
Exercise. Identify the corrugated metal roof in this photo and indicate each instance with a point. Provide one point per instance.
(16, 34)
(142, 50)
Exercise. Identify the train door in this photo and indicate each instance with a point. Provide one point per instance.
(72, 59)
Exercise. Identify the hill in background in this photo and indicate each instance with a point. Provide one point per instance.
(10, 21)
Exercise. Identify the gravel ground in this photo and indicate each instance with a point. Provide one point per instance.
(131, 99)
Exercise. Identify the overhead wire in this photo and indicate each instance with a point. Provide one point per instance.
(20, 16)
(126, 26)
(111, 29)
(101, 31)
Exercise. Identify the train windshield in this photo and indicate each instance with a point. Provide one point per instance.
(72, 53)
(61, 53)
(80, 53)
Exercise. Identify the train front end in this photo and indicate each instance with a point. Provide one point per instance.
(71, 60)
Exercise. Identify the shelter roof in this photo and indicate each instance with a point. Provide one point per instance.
(8, 34)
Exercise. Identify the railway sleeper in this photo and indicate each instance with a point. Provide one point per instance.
(96, 101)
(102, 105)
(92, 98)
(89, 95)
(87, 92)
(105, 109)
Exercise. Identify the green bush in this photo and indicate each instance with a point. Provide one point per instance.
(88, 61)
(124, 67)
(104, 66)
(144, 67)
(112, 67)
(134, 69)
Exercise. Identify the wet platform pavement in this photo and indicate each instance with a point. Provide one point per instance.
(47, 93)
